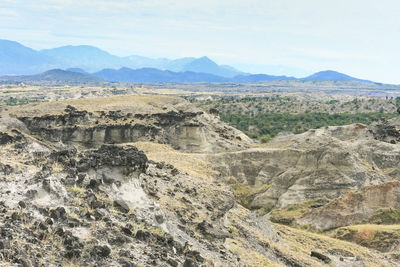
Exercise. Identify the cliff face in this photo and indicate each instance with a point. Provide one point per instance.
(364, 206)
(184, 130)
(323, 163)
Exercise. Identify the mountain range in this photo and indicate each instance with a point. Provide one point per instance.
(21, 63)
(17, 59)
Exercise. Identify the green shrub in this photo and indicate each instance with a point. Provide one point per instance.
(270, 124)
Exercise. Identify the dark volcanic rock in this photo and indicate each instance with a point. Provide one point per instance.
(6, 138)
(121, 205)
(112, 155)
(125, 263)
(58, 213)
(385, 131)
(71, 117)
(141, 235)
(94, 183)
(172, 262)
(6, 169)
(102, 251)
(172, 117)
(4, 244)
(320, 256)
(189, 263)
(22, 204)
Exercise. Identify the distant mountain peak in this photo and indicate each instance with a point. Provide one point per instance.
(330, 72)
(69, 50)
(331, 75)
(205, 58)
(206, 65)
(78, 70)
(56, 75)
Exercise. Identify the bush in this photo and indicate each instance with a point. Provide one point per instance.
(265, 138)
(270, 124)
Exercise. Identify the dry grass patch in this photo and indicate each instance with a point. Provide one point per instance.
(185, 162)
(302, 242)
(167, 91)
(292, 212)
(246, 193)
(248, 257)
(379, 237)
(127, 103)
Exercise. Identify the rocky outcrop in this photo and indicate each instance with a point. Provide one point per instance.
(73, 188)
(368, 205)
(387, 131)
(99, 208)
(187, 131)
(10, 137)
(113, 156)
(113, 206)
(323, 163)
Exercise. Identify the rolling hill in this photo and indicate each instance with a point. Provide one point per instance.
(330, 75)
(55, 75)
(206, 65)
(155, 75)
(259, 78)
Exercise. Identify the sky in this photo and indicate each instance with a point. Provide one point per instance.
(292, 37)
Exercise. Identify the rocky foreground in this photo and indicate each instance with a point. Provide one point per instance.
(152, 181)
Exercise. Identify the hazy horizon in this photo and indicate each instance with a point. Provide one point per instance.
(359, 38)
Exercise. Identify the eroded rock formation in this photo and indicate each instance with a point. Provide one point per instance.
(323, 163)
(367, 205)
(74, 188)
(187, 131)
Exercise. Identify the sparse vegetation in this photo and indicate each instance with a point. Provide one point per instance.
(386, 216)
(294, 211)
(20, 101)
(264, 117)
(246, 193)
(78, 191)
(186, 191)
(379, 237)
(264, 126)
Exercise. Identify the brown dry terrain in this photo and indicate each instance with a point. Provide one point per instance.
(148, 179)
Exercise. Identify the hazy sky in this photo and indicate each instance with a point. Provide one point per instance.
(357, 37)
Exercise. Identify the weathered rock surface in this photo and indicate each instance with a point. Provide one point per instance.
(387, 131)
(69, 196)
(323, 163)
(185, 129)
(112, 206)
(364, 206)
